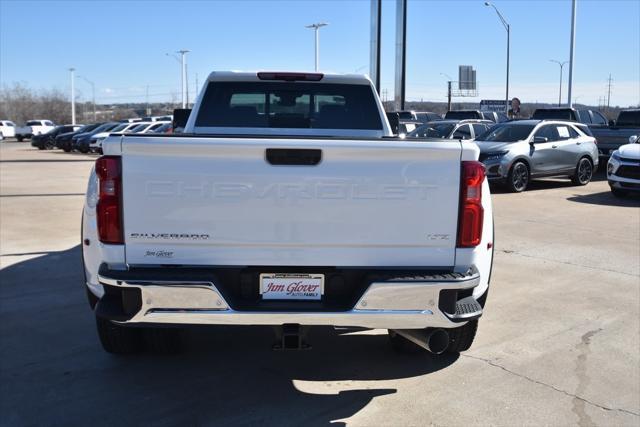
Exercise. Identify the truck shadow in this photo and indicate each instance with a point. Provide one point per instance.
(606, 198)
(53, 370)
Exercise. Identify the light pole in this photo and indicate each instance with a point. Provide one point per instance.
(561, 64)
(449, 81)
(317, 27)
(93, 95)
(571, 52)
(183, 67)
(73, 97)
(508, 28)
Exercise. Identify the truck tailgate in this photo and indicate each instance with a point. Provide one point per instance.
(218, 201)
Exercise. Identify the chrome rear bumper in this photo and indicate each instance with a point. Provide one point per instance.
(410, 303)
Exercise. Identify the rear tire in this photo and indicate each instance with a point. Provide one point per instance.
(518, 178)
(19, 138)
(117, 339)
(618, 193)
(93, 300)
(67, 149)
(461, 338)
(583, 173)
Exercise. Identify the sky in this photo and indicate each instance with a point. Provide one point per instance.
(122, 46)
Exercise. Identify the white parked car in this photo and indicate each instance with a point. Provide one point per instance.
(623, 169)
(7, 129)
(287, 202)
(34, 127)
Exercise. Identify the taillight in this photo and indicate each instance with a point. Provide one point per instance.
(109, 207)
(471, 213)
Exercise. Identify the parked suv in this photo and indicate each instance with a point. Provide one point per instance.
(419, 116)
(591, 118)
(452, 129)
(515, 152)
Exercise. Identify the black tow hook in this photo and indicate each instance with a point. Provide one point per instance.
(291, 336)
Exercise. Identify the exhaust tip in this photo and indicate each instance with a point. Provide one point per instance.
(438, 341)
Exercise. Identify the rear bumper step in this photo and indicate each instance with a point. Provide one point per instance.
(395, 302)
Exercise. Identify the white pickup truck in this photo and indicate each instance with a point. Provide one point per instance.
(287, 202)
(33, 127)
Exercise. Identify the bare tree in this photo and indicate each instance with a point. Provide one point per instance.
(20, 103)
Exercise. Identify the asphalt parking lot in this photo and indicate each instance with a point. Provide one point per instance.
(559, 343)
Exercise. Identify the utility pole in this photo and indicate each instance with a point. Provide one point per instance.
(317, 27)
(609, 92)
(73, 97)
(186, 77)
(449, 81)
(571, 50)
(197, 86)
(147, 96)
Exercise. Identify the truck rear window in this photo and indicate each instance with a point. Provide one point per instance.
(629, 118)
(553, 114)
(289, 105)
(462, 115)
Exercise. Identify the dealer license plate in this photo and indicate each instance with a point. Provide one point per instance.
(275, 286)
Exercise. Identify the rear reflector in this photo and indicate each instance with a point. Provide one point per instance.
(109, 208)
(471, 215)
(291, 77)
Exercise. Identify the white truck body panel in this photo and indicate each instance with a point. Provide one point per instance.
(368, 203)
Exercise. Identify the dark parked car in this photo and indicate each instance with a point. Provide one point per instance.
(452, 129)
(63, 141)
(463, 114)
(80, 142)
(592, 118)
(47, 141)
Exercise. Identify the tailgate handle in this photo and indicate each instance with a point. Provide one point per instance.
(294, 156)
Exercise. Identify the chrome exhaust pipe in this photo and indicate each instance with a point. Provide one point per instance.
(435, 341)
